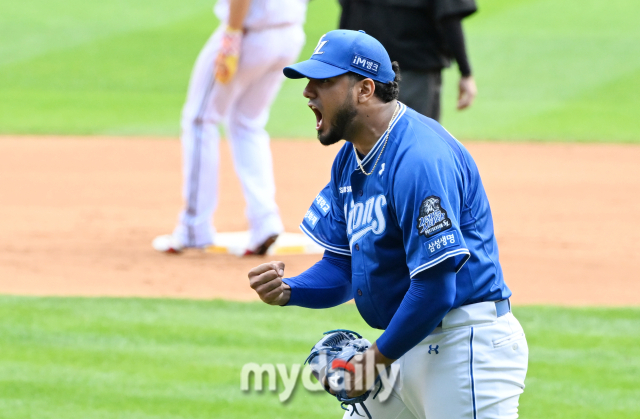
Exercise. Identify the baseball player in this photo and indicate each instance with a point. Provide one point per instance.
(408, 234)
(235, 79)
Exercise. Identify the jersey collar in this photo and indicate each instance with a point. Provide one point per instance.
(376, 147)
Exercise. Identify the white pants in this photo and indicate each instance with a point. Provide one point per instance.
(243, 106)
(472, 368)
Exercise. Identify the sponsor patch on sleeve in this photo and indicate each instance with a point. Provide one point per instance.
(322, 204)
(312, 218)
(366, 64)
(441, 242)
(433, 218)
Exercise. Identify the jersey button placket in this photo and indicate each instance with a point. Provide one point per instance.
(357, 246)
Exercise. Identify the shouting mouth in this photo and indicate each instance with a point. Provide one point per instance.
(318, 114)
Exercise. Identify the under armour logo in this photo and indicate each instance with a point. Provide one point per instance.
(433, 349)
(319, 46)
(381, 169)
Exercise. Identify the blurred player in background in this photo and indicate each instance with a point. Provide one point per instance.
(422, 36)
(235, 79)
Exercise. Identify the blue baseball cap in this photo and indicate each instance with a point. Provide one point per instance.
(341, 51)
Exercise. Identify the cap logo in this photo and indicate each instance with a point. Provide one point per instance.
(319, 46)
(366, 64)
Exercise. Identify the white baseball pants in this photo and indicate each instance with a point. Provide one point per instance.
(472, 368)
(243, 106)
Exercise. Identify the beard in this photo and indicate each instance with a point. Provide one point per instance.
(344, 116)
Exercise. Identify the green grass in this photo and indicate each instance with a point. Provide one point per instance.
(110, 68)
(145, 358)
(546, 70)
(552, 70)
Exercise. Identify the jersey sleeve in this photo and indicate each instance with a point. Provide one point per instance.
(325, 224)
(427, 194)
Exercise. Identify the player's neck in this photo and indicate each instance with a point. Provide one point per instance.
(369, 125)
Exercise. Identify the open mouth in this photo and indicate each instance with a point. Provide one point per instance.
(318, 114)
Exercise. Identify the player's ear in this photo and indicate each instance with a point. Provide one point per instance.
(365, 90)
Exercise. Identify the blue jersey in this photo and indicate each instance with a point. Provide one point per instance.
(424, 203)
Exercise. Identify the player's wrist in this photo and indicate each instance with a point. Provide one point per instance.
(285, 296)
(379, 357)
(233, 31)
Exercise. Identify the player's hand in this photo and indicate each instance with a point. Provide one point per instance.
(359, 384)
(266, 280)
(366, 366)
(467, 91)
(227, 60)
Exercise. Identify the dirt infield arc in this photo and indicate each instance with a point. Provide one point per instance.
(77, 216)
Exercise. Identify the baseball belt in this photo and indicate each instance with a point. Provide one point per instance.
(502, 307)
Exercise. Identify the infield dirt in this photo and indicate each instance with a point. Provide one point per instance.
(77, 216)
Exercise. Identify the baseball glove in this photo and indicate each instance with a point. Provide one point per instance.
(330, 357)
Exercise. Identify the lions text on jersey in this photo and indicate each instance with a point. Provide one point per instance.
(423, 204)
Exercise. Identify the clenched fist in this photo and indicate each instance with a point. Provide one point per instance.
(266, 280)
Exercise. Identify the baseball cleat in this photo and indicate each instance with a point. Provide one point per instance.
(263, 248)
(167, 244)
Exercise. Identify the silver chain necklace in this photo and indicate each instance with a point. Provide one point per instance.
(386, 138)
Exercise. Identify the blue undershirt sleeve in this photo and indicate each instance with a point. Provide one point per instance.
(326, 284)
(429, 298)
